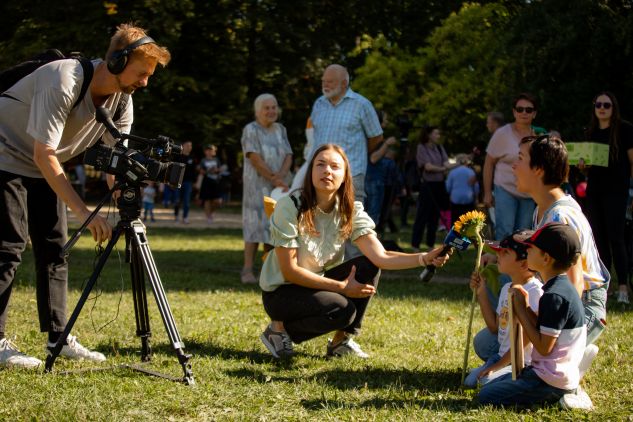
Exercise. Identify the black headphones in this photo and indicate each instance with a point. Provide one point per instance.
(119, 58)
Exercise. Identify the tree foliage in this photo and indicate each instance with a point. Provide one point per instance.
(452, 61)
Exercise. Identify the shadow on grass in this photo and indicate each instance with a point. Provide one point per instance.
(457, 405)
(207, 349)
(423, 380)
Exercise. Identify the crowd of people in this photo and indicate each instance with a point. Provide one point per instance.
(546, 248)
(323, 239)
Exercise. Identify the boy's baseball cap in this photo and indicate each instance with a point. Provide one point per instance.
(558, 240)
(509, 242)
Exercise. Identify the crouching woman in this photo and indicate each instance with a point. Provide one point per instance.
(308, 289)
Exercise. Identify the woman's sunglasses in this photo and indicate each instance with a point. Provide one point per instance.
(606, 106)
(524, 109)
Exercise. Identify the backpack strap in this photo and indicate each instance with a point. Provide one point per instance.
(125, 98)
(89, 71)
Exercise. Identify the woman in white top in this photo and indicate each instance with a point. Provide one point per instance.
(513, 210)
(307, 288)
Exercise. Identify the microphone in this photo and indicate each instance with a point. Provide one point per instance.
(452, 240)
(104, 116)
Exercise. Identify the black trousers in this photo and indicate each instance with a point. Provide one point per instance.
(431, 200)
(606, 212)
(308, 313)
(29, 207)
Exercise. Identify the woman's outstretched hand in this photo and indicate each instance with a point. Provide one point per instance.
(354, 289)
(433, 257)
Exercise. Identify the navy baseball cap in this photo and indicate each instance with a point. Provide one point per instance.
(558, 240)
(509, 242)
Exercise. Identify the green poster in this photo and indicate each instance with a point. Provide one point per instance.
(593, 153)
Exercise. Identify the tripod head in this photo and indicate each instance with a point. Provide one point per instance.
(129, 205)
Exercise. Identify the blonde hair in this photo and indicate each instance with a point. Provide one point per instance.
(128, 33)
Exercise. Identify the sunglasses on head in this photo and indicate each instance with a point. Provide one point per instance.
(599, 104)
(528, 110)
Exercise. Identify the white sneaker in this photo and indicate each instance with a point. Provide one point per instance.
(346, 347)
(588, 356)
(11, 356)
(578, 400)
(74, 350)
(623, 297)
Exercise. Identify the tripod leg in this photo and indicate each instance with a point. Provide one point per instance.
(140, 299)
(50, 359)
(139, 241)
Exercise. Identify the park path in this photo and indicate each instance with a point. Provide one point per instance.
(165, 218)
(230, 220)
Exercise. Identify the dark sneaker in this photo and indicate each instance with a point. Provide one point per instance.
(278, 343)
(346, 347)
(11, 356)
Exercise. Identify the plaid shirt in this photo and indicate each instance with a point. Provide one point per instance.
(348, 124)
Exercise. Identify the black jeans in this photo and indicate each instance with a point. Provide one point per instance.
(308, 313)
(606, 214)
(29, 207)
(431, 200)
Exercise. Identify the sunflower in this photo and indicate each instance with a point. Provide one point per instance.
(470, 224)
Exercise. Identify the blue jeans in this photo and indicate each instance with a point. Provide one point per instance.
(185, 198)
(511, 212)
(351, 251)
(472, 378)
(595, 304)
(528, 389)
(375, 191)
(485, 344)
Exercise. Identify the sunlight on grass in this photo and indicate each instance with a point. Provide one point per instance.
(414, 332)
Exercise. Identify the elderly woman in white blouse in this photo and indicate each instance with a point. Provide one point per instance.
(267, 161)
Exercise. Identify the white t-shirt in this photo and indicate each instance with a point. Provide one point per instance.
(41, 110)
(566, 210)
(534, 289)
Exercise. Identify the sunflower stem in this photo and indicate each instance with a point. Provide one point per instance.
(473, 301)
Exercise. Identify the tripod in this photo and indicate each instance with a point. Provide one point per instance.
(139, 256)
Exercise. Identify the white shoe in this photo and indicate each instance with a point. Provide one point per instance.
(623, 297)
(74, 350)
(578, 400)
(346, 347)
(11, 356)
(588, 356)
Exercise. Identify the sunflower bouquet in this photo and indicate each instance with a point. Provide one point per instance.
(470, 225)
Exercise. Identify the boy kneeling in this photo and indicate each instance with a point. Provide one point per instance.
(512, 259)
(558, 333)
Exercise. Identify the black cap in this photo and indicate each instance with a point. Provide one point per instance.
(558, 240)
(510, 242)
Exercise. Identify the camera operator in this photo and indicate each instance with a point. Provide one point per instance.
(40, 128)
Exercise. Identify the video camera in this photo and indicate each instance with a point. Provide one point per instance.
(145, 159)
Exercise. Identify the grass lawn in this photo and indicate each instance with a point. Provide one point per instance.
(414, 332)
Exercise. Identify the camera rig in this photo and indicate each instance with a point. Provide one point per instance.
(132, 167)
(144, 159)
